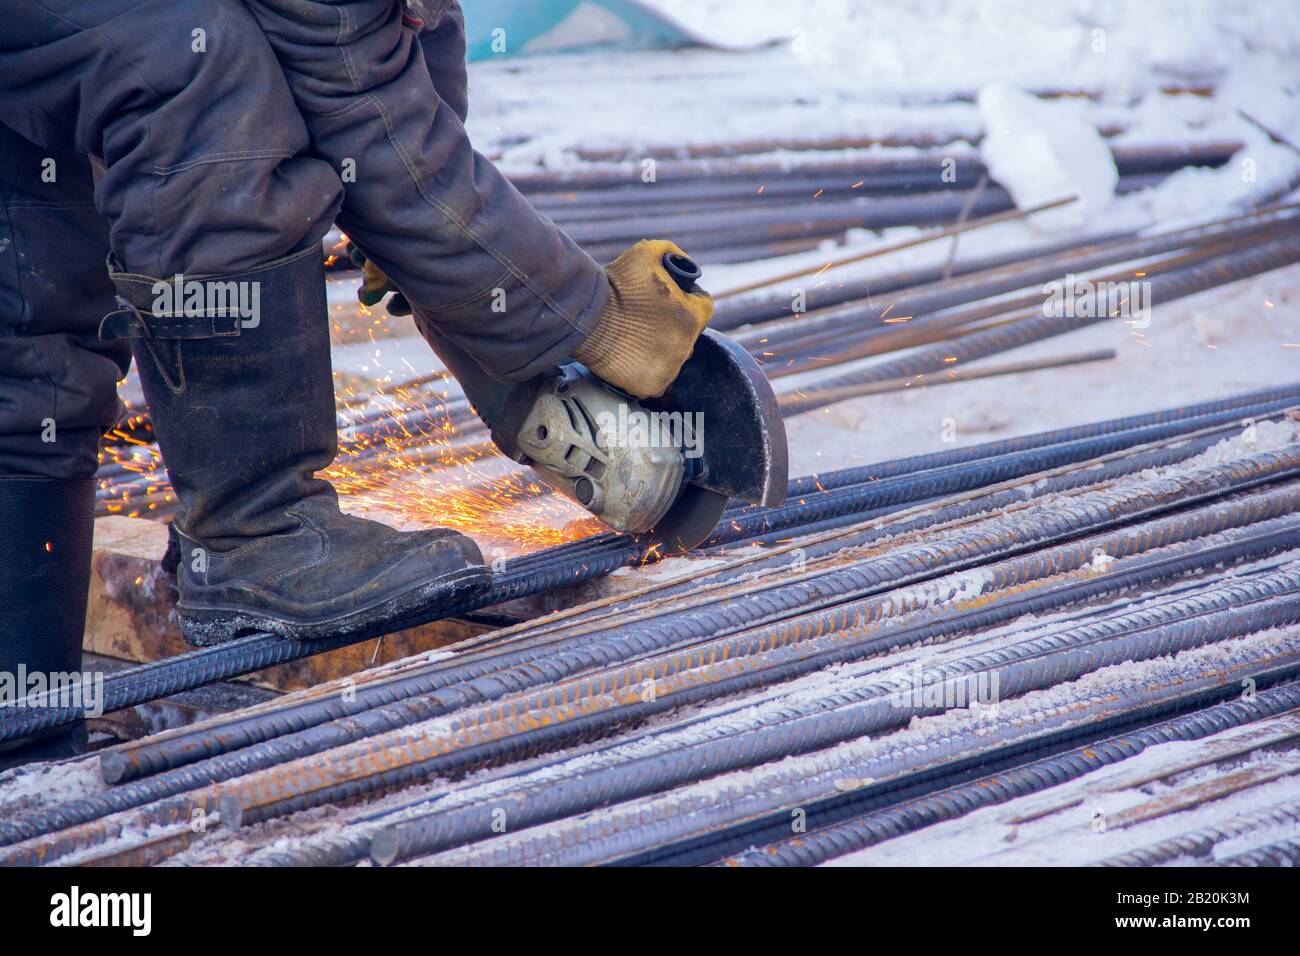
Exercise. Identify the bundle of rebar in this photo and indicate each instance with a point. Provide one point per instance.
(933, 552)
(747, 205)
(820, 502)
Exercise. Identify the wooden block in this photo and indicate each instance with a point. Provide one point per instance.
(131, 614)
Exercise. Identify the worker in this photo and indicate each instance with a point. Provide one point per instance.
(202, 148)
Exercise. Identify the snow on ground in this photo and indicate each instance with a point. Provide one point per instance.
(858, 66)
(1066, 825)
(887, 67)
(1208, 346)
(26, 788)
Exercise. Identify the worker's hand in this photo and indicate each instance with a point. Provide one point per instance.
(375, 285)
(649, 326)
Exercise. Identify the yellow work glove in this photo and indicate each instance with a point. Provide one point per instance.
(649, 326)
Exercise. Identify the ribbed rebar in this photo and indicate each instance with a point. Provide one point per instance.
(349, 844)
(1231, 267)
(494, 683)
(1198, 845)
(1247, 404)
(857, 303)
(1282, 853)
(555, 568)
(832, 503)
(756, 171)
(488, 676)
(812, 344)
(509, 734)
(709, 821)
(877, 826)
(133, 760)
(162, 678)
(730, 314)
(1213, 614)
(185, 671)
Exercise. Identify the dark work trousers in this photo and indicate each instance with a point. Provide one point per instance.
(479, 265)
(211, 170)
(206, 172)
(57, 379)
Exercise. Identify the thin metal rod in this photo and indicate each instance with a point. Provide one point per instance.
(1009, 216)
(799, 402)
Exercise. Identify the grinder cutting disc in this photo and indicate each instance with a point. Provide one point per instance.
(741, 443)
(689, 522)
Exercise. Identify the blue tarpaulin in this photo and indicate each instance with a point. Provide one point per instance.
(501, 28)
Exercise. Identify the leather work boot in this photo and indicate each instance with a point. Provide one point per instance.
(44, 575)
(236, 371)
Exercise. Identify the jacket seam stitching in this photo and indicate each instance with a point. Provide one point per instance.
(463, 227)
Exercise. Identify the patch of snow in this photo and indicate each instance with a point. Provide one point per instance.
(1043, 151)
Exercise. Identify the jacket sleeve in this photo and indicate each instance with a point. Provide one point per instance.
(474, 258)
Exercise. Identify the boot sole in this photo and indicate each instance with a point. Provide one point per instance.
(207, 627)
